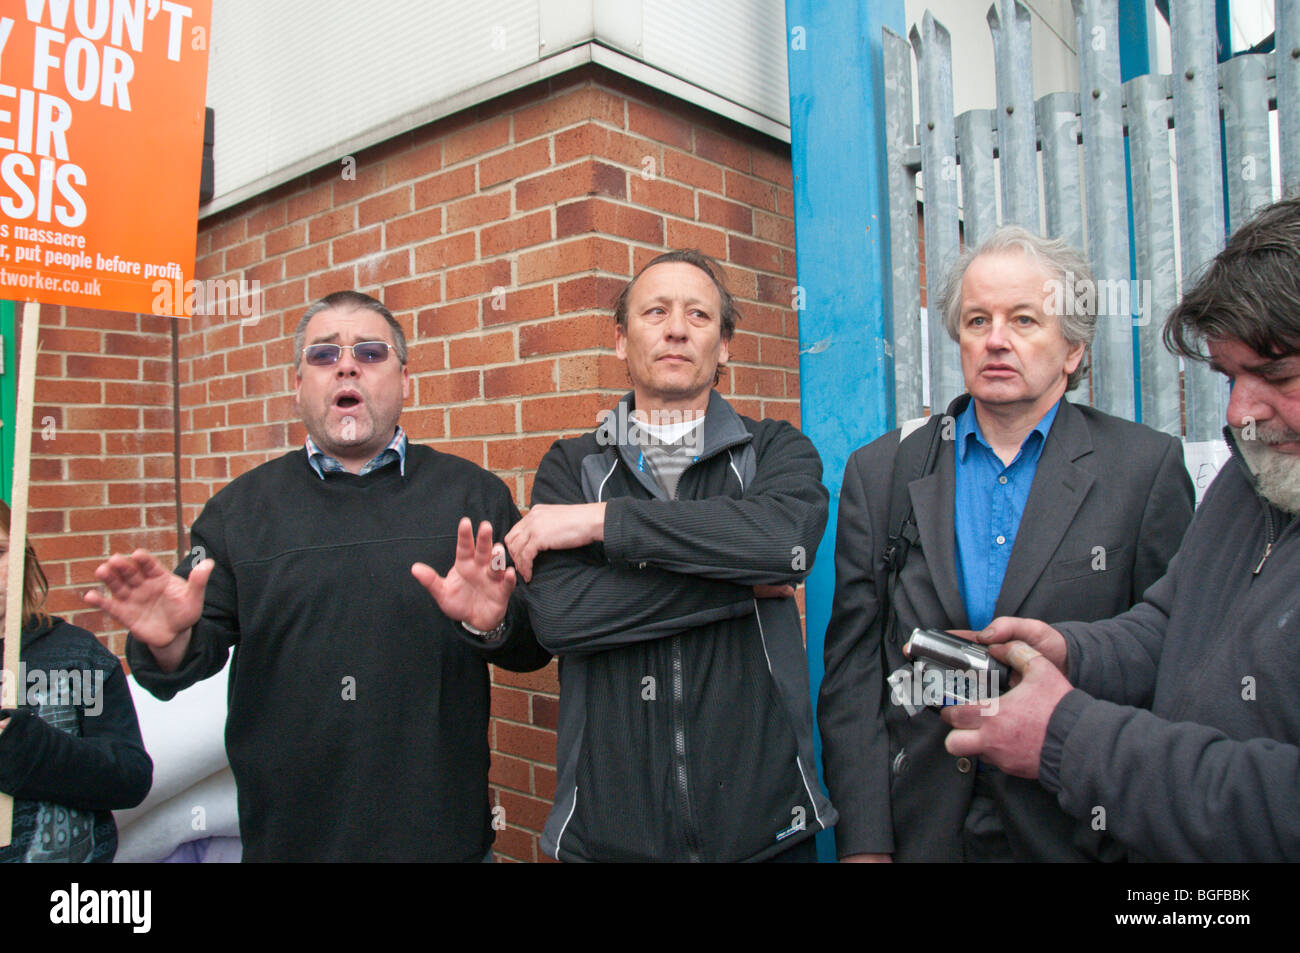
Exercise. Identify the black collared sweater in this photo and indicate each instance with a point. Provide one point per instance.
(358, 717)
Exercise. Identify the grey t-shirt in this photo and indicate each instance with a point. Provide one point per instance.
(669, 451)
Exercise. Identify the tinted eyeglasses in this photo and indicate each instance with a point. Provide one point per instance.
(366, 352)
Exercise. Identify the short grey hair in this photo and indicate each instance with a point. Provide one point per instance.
(347, 301)
(1058, 258)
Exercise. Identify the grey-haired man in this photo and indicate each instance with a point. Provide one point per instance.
(1178, 722)
(1015, 501)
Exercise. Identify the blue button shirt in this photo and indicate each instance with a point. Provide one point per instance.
(990, 500)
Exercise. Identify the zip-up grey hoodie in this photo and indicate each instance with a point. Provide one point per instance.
(1192, 754)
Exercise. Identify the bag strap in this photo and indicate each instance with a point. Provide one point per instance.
(906, 535)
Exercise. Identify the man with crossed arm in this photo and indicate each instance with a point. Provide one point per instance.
(661, 553)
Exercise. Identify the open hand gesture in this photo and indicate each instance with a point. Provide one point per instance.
(477, 588)
(155, 605)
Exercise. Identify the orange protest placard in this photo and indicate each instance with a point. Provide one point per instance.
(101, 140)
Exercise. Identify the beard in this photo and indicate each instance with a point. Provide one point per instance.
(1277, 474)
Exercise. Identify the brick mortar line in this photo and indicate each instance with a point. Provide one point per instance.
(510, 257)
(505, 187)
(240, 272)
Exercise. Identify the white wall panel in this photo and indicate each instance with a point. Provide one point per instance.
(297, 84)
(734, 48)
(292, 81)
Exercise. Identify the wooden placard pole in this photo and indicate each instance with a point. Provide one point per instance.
(10, 691)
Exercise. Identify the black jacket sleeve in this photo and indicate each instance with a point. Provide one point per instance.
(1175, 791)
(581, 602)
(855, 742)
(768, 535)
(105, 769)
(1116, 659)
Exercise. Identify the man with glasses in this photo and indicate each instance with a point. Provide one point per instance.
(357, 722)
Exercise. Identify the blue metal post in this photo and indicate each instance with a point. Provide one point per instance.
(1137, 51)
(1137, 38)
(1223, 27)
(842, 242)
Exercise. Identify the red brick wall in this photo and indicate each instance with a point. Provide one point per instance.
(499, 238)
(102, 451)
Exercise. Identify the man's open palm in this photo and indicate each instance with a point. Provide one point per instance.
(155, 605)
(477, 588)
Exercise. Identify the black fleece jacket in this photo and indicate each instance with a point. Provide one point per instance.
(685, 724)
(72, 750)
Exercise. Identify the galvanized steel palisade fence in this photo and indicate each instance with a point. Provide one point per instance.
(1177, 229)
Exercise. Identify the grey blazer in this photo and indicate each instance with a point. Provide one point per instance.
(1101, 482)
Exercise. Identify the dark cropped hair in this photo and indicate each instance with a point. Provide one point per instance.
(690, 256)
(347, 301)
(1249, 292)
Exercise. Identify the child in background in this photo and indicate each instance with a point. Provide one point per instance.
(71, 751)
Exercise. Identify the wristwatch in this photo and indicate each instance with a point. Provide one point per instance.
(490, 635)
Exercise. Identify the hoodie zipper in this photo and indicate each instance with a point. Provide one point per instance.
(678, 706)
(679, 755)
(679, 732)
(1270, 536)
(1270, 532)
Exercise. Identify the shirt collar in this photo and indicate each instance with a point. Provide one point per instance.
(968, 426)
(323, 463)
